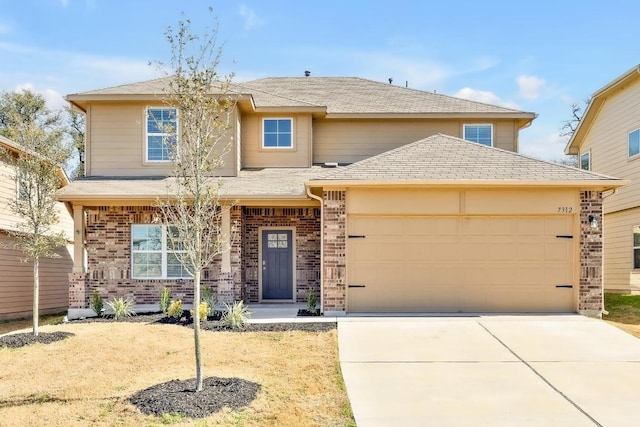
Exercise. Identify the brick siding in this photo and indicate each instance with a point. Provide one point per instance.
(591, 286)
(334, 246)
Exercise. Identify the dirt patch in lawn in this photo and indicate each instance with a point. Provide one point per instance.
(89, 378)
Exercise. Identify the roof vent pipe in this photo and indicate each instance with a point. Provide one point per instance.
(390, 80)
(307, 73)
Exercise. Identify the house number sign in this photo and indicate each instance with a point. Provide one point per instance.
(565, 209)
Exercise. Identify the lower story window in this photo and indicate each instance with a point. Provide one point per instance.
(155, 254)
(636, 247)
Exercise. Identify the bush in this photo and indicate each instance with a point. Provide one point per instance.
(208, 297)
(175, 309)
(122, 307)
(165, 299)
(97, 304)
(312, 300)
(204, 309)
(236, 315)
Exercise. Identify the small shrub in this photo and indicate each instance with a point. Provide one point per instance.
(208, 297)
(236, 315)
(165, 299)
(204, 309)
(175, 309)
(97, 304)
(122, 307)
(312, 300)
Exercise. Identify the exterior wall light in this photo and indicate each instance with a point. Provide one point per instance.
(593, 221)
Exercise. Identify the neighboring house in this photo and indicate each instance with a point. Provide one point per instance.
(607, 140)
(16, 278)
(371, 194)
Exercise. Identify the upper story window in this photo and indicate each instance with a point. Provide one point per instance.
(162, 128)
(480, 133)
(634, 142)
(585, 161)
(154, 253)
(277, 133)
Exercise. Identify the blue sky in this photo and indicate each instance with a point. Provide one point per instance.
(534, 56)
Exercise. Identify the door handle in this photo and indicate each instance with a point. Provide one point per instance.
(357, 286)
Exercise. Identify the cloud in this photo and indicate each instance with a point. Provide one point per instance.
(547, 146)
(251, 19)
(484, 96)
(530, 86)
(54, 99)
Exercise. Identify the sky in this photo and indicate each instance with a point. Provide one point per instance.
(538, 57)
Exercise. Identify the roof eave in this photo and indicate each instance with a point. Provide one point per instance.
(524, 117)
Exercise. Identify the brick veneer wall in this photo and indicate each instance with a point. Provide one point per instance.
(307, 234)
(108, 245)
(591, 286)
(334, 248)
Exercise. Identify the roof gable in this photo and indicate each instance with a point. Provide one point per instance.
(446, 158)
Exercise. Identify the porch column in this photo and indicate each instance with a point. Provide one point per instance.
(334, 251)
(591, 292)
(78, 239)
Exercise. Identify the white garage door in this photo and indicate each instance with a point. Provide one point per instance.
(460, 264)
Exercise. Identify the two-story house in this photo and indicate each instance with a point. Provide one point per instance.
(607, 140)
(16, 280)
(379, 197)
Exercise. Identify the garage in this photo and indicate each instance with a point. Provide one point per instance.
(460, 264)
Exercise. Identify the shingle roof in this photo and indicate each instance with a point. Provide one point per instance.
(339, 95)
(446, 158)
(357, 95)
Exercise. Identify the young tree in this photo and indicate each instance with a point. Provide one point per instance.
(25, 119)
(198, 137)
(75, 130)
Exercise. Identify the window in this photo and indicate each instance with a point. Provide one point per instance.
(162, 127)
(636, 247)
(585, 161)
(482, 134)
(277, 133)
(634, 143)
(154, 254)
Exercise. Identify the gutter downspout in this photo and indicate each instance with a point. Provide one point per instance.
(318, 198)
(613, 193)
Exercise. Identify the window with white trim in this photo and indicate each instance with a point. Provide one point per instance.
(161, 131)
(480, 133)
(277, 133)
(585, 161)
(154, 254)
(634, 142)
(636, 247)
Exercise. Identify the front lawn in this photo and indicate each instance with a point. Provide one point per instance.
(624, 312)
(88, 378)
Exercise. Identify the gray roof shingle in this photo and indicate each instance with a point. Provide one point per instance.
(446, 158)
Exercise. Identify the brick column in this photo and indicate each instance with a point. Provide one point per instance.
(334, 248)
(78, 290)
(591, 297)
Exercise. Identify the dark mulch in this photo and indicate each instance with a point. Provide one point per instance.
(20, 340)
(179, 397)
(303, 312)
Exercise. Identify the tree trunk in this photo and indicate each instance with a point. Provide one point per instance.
(36, 294)
(196, 329)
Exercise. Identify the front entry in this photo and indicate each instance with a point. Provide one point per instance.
(277, 265)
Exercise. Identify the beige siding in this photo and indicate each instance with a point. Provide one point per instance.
(254, 155)
(116, 137)
(619, 275)
(607, 141)
(348, 141)
(16, 282)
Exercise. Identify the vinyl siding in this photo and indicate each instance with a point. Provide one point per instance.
(607, 141)
(348, 141)
(619, 275)
(116, 141)
(16, 282)
(254, 155)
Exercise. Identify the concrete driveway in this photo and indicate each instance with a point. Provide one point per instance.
(490, 371)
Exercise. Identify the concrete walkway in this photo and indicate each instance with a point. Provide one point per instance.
(490, 371)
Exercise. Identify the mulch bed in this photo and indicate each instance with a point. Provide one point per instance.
(27, 338)
(179, 397)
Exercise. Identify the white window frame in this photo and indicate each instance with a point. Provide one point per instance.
(164, 135)
(264, 119)
(632, 156)
(588, 154)
(163, 251)
(634, 247)
(464, 131)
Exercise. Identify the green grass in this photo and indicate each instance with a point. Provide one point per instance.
(622, 308)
